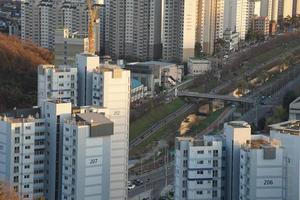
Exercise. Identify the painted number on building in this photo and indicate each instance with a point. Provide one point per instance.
(93, 161)
(268, 182)
(117, 113)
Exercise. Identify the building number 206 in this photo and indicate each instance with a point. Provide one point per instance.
(268, 182)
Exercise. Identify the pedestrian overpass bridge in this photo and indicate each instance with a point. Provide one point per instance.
(215, 96)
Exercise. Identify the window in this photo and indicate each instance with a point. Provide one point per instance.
(27, 137)
(17, 140)
(26, 176)
(17, 130)
(26, 186)
(27, 147)
(199, 162)
(199, 182)
(200, 152)
(200, 192)
(27, 157)
(28, 127)
(27, 166)
(16, 179)
(199, 172)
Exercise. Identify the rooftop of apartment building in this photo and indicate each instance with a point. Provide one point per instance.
(205, 141)
(239, 124)
(291, 127)
(99, 124)
(21, 115)
(60, 68)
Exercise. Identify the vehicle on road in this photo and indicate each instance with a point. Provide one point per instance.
(131, 187)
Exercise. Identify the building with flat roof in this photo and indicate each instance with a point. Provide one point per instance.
(153, 74)
(57, 82)
(198, 66)
(236, 133)
(262, 169)
(199, 168)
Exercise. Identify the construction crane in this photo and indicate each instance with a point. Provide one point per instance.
(92, 13)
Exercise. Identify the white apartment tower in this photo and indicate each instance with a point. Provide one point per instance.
(86, 156)
(236, 133)
(262, 169)
(179, 30)
(111, 89)
(86, 63)
(289, 135)
(57, 83)
(22, 148)
(198, 168)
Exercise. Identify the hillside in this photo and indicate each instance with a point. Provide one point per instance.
(18, 72)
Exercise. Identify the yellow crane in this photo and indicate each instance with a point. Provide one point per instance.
(92, 13)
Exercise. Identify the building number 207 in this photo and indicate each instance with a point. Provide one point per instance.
(93, 161)
(268, 182)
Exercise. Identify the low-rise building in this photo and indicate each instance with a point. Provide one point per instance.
(262, 26)
(138, 91)
(198, 66)
(153, 74)
(231, 40)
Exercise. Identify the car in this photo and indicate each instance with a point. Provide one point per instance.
(131, 187)
(138, 182)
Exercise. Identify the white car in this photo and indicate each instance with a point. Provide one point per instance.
(130, 187)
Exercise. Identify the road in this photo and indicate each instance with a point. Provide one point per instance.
(157, 181)
(251, 71)
(160, 124)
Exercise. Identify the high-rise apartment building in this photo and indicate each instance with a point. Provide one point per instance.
(210, 19)
(86, 63)
(143, 30)
(86, 155)
(22, 152)
(112, 89)
(262, 169)
(288, 133)
(285, 8)
(236, 133)
(179, 30)
(238, 16)
(40, 19)
(269, 8)
(199, 168)
(57, 83)
(133, 29)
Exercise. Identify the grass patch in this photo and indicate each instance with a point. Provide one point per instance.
(207, 121)
(167, 131)
(154, 115)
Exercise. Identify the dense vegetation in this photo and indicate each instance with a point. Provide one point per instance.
(18, 72)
